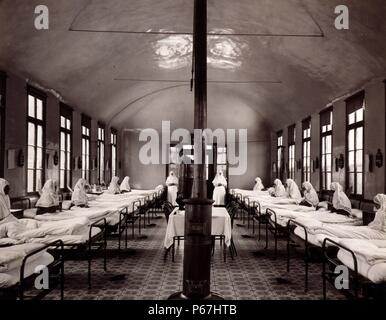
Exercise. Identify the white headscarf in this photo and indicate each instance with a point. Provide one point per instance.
(172, 179)
(79, 196)
(258, 185)
(293, 190)
(340, 201)
(220, 179)
(125, 185)
(310, 195)
(114, 186)
(49, 196)
(379, 222)
(279, 190)
(5, 203)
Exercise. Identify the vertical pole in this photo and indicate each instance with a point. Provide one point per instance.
(198, 217)
(200, 96)
(198, 214)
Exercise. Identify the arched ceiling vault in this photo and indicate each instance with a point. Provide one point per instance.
(283, 59)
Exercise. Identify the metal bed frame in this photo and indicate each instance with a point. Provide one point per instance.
(278, 231)
(331, 263)
(98, 242)
(361, 285)
(294, 239)
(56, 276)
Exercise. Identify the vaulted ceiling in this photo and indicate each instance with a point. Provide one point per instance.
(127, 60)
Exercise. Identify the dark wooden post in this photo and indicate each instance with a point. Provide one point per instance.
(198, 214)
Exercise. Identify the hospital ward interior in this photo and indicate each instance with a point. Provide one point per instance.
(206, 149)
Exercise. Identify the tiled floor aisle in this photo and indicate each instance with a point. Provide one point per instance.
(148, 276)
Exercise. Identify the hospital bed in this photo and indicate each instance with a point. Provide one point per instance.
(366, 263)
(306, 232)
(79, 237)
(20, 265)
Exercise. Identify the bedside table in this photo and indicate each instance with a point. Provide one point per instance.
(17, 213)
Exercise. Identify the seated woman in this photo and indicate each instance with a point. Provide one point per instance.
(79, 196)
(311, 198)
(278, 189)
(114, 186)
(293, 191)
(5, 203)
(49, 199)
(258, 185)
(379, 222)
(125, 185)
(220, 184)
(172, 184)
(341, 204)
(376, 230)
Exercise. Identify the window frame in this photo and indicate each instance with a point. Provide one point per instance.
(101, 141)
(3, 104)
(114, 145)
(306, 140)
(86, 122)
(279, 154)
(323, 135)
(292, 146)
(66, 112)
(355, 126)
(37, 94)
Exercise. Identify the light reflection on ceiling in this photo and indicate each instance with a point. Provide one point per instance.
(175, 51)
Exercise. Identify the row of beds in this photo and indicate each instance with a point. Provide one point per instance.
(303, 227)
(79, 233)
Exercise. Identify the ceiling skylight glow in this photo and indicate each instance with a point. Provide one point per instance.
(175, 51)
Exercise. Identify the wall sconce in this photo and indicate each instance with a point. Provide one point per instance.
(339, 162)
(274, 167)
(317, 163)
(79, 163)
(20, 158)
(299, 164)
(56, 158)
(379, 159)
(95, 163)
(73, 163)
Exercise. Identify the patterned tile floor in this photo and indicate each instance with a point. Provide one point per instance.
(147, 276)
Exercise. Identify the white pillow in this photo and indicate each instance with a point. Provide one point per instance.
(357, 213)
(30, 213)
(66, 205)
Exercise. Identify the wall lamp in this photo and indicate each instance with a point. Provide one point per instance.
(379, 159)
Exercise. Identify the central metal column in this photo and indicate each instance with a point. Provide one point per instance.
(198, 214)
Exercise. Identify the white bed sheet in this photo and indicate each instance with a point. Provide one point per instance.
(68, 239)
(375, 273)
(12, 277)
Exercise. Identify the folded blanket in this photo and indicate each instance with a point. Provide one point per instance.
(348, 232)
(12, 257)
(25, 229)
(368, 250)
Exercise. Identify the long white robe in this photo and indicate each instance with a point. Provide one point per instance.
(79, 196)
(379, 222)
(125, 185)
(340, 201)
(5, 204)
(114, 186)
(219, 192)
(293, 191)
(172, 184)
(278, 189)
(258, 185)
(49, 197)
(310, 195)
